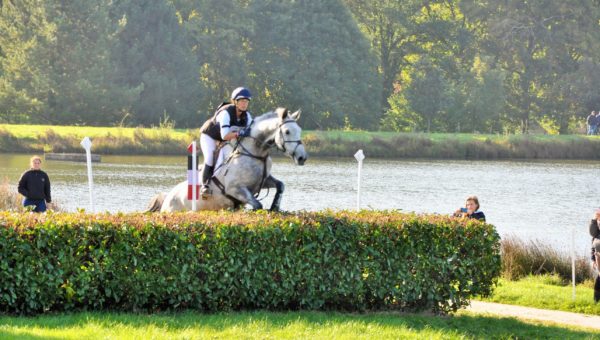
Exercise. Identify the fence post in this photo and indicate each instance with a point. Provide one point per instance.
(192, 175)
(86, 143)
(360, 156)
(573, 259)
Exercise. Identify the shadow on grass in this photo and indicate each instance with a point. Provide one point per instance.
(458, 326)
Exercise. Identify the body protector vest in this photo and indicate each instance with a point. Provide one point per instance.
(212, 127)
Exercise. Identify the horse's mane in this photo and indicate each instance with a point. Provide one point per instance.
(267, 115)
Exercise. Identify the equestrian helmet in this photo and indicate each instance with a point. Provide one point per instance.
(241, 93)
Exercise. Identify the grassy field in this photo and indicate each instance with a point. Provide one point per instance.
(33, 131)
(279, 325)
(166, 140)
(540, 291)
(546, 292)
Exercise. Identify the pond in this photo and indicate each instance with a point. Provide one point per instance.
(530, 200)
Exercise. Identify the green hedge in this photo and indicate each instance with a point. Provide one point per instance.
(217, 261)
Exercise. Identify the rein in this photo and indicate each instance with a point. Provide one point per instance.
(245, 152)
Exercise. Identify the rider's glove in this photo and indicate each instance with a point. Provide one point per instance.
(244, 132)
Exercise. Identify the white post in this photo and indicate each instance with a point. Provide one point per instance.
(573, 259)
(86, 143)
(360, 156)
(194, 176)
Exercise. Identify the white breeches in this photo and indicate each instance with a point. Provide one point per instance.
(208, 146)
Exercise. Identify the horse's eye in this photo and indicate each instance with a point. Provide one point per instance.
(287, 132)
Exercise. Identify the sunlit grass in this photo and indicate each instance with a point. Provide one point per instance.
(32, 131)
(546, 292)
(279, 325)
(333, 143)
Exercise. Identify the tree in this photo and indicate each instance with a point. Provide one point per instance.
(82, 77)
(485, 100)
(153, 53)
(311, 55)
(24, 85)
(391, 29)
(537, 43)
(429, 93)
(218, 33)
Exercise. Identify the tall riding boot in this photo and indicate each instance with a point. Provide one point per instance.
(207, 172)
(597, 289)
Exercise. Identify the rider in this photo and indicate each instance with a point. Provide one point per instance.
(219, 128)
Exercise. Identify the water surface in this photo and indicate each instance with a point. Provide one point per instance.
(532, 200)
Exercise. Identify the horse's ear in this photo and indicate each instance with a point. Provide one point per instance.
(296, 115)
(282, 112)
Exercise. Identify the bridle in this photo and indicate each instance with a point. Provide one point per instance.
(282, 148)
(243, 151)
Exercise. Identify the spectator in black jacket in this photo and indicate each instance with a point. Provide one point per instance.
(592, 123)
(35, 186)
(595, 233)
(471, 209)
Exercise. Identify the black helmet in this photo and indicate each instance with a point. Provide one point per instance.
(241, 93)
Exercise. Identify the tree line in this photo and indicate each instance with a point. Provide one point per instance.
(452, 66)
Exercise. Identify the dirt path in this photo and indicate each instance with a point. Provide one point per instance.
(567, 318)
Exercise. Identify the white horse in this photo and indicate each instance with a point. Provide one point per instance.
(246, 168)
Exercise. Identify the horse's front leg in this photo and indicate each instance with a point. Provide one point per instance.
(245, 196)
(272, 182)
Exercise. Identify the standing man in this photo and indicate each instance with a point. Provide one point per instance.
(591, 123)
(35, 186)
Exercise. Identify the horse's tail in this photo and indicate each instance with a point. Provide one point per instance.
(156, 202)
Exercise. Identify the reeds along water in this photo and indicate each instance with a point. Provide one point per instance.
(163, 141)
(9, 198)
(521, 258)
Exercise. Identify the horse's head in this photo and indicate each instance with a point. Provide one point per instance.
(288, 135)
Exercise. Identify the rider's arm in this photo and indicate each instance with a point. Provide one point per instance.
(226, 133)
(249, 118)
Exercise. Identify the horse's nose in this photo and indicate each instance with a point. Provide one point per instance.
(301, 160)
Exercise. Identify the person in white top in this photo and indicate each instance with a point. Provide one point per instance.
(221, 127)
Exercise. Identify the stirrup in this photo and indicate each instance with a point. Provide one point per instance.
(205, 192)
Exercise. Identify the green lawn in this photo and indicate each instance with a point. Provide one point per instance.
(539, 291)
(272, 325)
(546, 292)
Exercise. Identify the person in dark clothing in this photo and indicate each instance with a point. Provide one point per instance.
(595, 233)
(35, 186)
(471, 209)
(592, 123)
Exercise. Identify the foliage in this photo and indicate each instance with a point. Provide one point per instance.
(317, 60)
(445, 66)
(24, 32)
(429, 93)
(219, 261)
(152, 54)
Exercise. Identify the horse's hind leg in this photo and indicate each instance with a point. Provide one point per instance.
(272, 182)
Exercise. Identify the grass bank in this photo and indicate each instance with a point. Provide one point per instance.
(142, 141)
(269, 325)
(546, 292)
